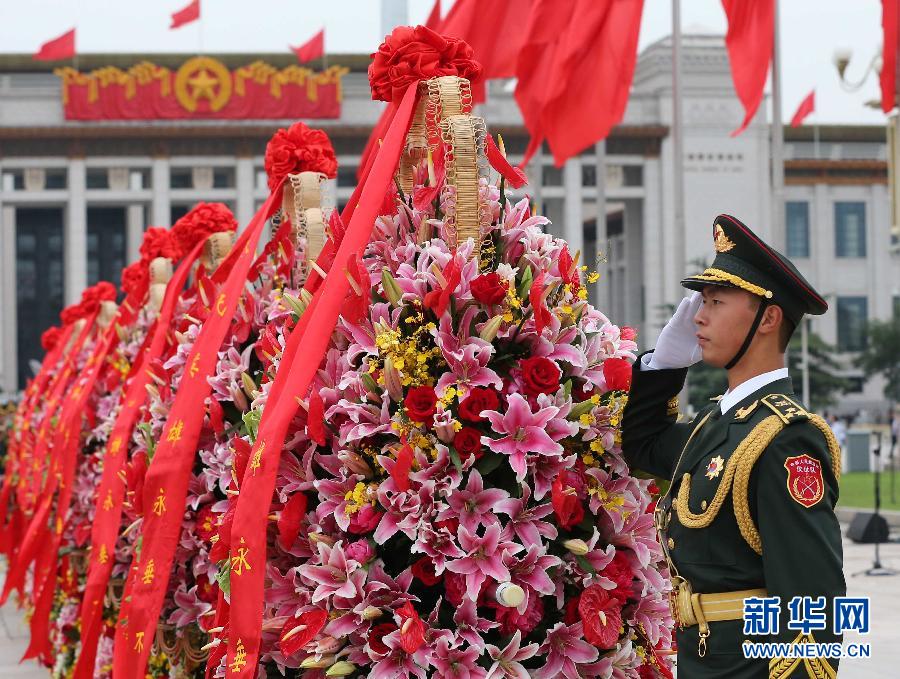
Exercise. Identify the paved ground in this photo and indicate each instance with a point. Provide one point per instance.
(883, 590)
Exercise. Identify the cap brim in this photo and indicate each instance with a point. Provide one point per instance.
(692, 283)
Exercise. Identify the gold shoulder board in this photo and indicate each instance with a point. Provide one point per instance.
(789, 411)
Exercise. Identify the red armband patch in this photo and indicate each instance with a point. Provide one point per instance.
(804, 480)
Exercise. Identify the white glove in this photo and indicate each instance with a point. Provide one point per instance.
(677, 346)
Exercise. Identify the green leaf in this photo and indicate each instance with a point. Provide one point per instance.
(488, 463)
(525, 284)
(454, 458)
(567, 388)
(251, 421)
(223, 577)
(585, 565)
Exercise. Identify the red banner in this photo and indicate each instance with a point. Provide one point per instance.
(166, 483)
(202, 87)
(111, 491)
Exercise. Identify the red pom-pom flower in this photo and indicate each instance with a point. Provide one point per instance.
(200, 223)
(412, 54)
(299, 149)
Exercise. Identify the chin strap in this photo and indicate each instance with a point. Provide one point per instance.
(746, 345)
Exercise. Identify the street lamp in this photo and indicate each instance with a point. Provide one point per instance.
(841, 60)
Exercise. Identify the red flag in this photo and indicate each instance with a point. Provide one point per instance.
(807, 106)
(750, 40)
(534, 66)
(314, 48)
(186, 15)
(434, 18)
(890, 18)
(62, 47)
(588, 84)
(478, 23)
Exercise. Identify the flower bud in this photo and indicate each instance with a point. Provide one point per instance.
(314, 663)
(371, 613)
(490, 329)
(392, 291)
(341, 668)
(392, 382)
(576, 546)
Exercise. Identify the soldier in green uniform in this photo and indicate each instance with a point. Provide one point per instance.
(749, 513)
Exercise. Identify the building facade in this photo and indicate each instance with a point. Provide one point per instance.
(75, 197)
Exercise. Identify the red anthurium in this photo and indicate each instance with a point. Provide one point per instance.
(298, 632)
(400, 472)
(438, 299)
(315, 418)
(290, 519)
(412, 629)
(540, 310)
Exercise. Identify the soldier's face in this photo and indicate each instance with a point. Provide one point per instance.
(722, 323)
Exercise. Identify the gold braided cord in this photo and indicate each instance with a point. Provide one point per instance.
(719, 276)
(833, 448)
(737, 477)
(757, 441)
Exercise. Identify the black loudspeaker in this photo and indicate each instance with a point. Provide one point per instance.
(868, 528)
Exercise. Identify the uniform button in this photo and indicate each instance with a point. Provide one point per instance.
(669, 515)
(703, 505)
(671, 543)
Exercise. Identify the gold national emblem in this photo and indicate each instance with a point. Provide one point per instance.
(715, 467)
(203, 78)
(723, 242)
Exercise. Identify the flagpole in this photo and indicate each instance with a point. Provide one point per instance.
(777, 134)
(678, 237)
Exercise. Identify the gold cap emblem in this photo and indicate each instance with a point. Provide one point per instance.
(723, 242)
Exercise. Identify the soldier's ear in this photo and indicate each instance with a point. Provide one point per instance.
(772, 319)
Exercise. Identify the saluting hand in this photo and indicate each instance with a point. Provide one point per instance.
(677, 346)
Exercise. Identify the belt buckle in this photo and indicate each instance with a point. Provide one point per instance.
(677, 583)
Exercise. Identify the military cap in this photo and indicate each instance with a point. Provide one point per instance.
(744, 261)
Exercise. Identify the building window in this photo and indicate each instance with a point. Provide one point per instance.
(551, 176)
(850, 229)
(896, 300)
(797, 221)
(223, 178)
(852, 315)
(589, 174)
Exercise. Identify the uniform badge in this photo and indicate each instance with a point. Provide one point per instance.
(804, 480)
(715, 467)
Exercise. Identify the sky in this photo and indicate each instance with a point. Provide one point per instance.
(811, 30)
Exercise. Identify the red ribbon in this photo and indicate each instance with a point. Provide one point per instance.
(111, 490)
(303, 354)
(170, 469)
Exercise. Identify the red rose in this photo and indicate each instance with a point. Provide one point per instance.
(570, 612)
(299, 149)
(479, 399)
(540, 375)
(365, 520)
(313, 622)
(512, 621)
(413, 54)
(424, 570)
(455, 588)
(379, 632)
(617, 373)
(412, 629)
(567, 505)
(489, 288)
(420, 403)
(468, 443)
(627, 333)
(207, 591)
(620, 572)
(601, 614)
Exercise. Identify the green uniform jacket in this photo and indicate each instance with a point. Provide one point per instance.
(801, 545)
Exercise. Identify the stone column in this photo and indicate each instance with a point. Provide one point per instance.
(75, 233)
(134, 232)
(573, 209)
(244, 184)
(8, 329)
(161, 210)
